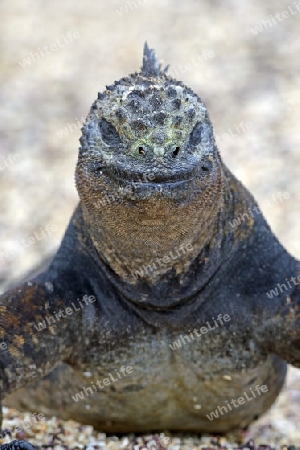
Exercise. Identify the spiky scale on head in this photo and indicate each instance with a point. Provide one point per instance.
(150, 64)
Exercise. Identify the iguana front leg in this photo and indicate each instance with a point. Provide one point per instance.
(26, 349)
(30, 351)
(281, 333)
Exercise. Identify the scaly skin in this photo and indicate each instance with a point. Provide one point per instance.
(152, 243)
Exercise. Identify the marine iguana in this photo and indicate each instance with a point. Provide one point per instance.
(153, 313)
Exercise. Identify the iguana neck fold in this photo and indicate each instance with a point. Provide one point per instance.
(147, 239)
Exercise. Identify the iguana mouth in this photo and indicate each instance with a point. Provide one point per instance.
(146, 189)
(153, 178)
(157, 175)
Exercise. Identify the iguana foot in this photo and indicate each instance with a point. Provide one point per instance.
(17, 445)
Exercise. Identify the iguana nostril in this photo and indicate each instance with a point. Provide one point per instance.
(205, 169)
(176, 151)
(142, 151)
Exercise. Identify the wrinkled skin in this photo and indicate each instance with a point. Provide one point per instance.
(152, 246)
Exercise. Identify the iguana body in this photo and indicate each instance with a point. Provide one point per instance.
(153, 246)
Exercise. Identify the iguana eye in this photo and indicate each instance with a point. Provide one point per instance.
(195, 136)
(109, 134)
(175, 152)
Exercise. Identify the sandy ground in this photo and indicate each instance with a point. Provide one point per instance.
(246, 75)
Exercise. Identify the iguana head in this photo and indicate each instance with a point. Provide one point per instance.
(150, 131)
(148, 158)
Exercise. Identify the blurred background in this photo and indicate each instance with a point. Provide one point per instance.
(242, 58)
